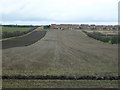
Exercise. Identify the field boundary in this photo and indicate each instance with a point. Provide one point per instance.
(48, 77)
(103, 38)
(18, 36)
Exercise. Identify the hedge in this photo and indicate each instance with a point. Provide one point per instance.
(113, 39)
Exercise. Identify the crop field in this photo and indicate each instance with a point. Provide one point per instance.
(59, 58)
(26, 41)
(13, 29)
(106, 32)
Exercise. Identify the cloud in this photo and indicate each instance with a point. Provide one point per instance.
(57, 11)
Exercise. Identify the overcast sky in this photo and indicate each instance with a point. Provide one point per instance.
(40, 12)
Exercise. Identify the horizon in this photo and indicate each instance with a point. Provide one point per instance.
(63, 23)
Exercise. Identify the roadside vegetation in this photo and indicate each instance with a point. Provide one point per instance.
(14, 31)
(113, 39)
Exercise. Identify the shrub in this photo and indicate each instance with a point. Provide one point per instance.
(113, 39)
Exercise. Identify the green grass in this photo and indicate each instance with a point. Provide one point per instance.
(13, 29)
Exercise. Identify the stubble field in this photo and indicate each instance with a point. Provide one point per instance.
(61, 53)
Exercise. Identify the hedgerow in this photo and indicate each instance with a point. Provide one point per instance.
(113, 39)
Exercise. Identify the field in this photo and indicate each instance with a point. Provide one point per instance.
(106, 32)
(26, 41)
(60, 53)
(13, 29)
(61, 84)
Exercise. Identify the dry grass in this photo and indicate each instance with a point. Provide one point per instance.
(60, 84)
(106, 32)
(61, 52)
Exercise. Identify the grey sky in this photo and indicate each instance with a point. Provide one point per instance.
(59, 11)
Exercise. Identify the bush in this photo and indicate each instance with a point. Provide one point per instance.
(113, 39)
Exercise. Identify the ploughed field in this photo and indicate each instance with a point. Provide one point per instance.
(60, 53)
(23, 41)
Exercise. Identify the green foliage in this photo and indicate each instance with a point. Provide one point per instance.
(47, 27)
(113, 39)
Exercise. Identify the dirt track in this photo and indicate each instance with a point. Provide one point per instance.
(69, 53)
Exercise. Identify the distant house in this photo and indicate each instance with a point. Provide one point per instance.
(65, 26)
(84, 27)
(92, 27)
